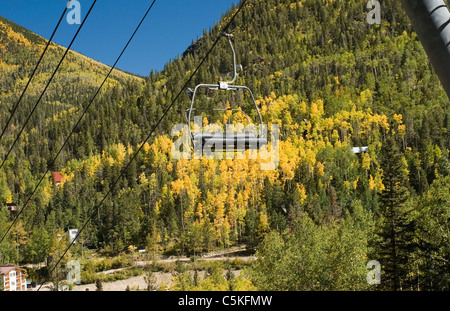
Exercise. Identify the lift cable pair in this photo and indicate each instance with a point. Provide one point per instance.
(46, 87)
(133, 157)
(74, 128)
(13, 110)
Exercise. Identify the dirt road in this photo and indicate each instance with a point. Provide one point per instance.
(138, 282)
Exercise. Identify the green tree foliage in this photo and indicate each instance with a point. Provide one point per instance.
(395, 222)
(38, 246)
(312, 257)
(433, 235)
(150, 277)
(98, 285)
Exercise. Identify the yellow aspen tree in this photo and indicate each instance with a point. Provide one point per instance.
(365, 162)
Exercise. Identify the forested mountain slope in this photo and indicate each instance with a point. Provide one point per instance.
(73, 85)
(20, 50)
(321, 215)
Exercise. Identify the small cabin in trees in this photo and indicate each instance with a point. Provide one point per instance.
(13, 279)
(57, 178)
(12, 208)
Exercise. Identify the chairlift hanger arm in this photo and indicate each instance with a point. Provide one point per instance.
(229, 36)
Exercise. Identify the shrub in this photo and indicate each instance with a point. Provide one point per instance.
(121, 262)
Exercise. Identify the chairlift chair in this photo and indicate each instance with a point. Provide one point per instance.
(238, 141)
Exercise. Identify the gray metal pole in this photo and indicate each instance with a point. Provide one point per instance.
(431, 21)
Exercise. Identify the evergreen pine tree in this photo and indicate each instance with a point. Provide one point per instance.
(98, 285)
(230, 278)
(395, 226)
(150, 277)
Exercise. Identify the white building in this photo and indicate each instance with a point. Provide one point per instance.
(14, 278)
(73, 234)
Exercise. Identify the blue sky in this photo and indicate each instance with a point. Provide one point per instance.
(168, 30)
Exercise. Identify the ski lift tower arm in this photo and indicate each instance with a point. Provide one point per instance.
(431, 22)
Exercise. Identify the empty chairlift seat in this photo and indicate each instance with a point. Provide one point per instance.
(239, 141)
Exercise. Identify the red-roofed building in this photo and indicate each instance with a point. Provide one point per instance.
(13, 278)
(57, 178)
